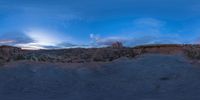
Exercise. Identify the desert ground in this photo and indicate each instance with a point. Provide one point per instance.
(150, 76)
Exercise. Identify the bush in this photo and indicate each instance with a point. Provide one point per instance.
(192, 52)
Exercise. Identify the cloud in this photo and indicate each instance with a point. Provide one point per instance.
(148, 22)
(44, 37)
(14, 38)
(143, 31)
(130, 42)
(154, 40)
(99, 41)
(6, 41)
(36, 46)
(36, 39)
(147, 26)
(196, 40)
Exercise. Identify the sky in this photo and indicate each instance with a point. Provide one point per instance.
(47, 24)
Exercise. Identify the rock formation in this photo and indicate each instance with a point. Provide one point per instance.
(117, 45)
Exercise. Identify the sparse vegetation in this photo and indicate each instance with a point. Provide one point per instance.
(81, 55)
(192, 51)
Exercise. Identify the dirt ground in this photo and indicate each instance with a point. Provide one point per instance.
(148, 77)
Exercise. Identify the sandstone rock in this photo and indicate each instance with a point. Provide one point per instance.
(117, 45)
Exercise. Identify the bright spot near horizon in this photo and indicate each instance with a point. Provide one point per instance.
(41, 38)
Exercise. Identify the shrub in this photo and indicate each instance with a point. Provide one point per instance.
(192, 52)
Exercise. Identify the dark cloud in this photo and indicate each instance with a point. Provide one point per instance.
(60, 45)
(66, 45)
(99, 41)
(154, 40)
(14, 38)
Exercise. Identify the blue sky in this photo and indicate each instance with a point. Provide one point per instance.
(38, 24)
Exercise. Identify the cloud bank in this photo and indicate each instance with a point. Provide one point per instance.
(13, 38)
